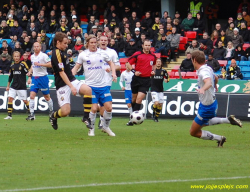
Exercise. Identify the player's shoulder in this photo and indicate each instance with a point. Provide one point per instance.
(12, 64)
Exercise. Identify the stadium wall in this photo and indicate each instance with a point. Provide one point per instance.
(176, 104)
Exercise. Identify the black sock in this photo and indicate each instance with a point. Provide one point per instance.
(87, 103)
(133, 106)
(10, 109)
(137, 107)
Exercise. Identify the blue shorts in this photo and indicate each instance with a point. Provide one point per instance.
(101, 95)
(128, 96)
(205, 113)
(40, 83)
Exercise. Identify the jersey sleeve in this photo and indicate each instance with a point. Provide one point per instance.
(57, 61)
(25, 67)
(80, 59)
(106, 58)
(133, 58)
(10, 75)
(205, 74)
(115, 58)
(46, 58)
(166, 76)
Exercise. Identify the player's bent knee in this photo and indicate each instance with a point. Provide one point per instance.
(10, 99)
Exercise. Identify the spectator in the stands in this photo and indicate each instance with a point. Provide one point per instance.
(126, 12)
(174, 40)
(177, 16)
(215, 38)
(193, 47)
(244, 5)
(44, 39)
(32, 28)
(147, 21)
(213, 63)
(93, 12)
(53, 15)
(133, 19)
(230, 30)
(243, 31)
(120, 9)
(211, 11)
(136, 9)
(168, 29)
(233, 71)
(187, 23)
(4, 30)
(17, 47)
(33, 37)
(240, 54)
(53, 25)
(218, 52)
(155, 26)
(24, 22)
(127, 38)
(120, 42)
(4, 64)
(10, 21)
(112, 25)
(229, 21)
(78, 46)
(12, 10)
(131, 48)
(1, 16)
(199, 25)
(71, 43)
(41, 24)
(76, 30)
(32, 19)
(176, 24)
(91, 23)
(5, 46)
(27, 43)
(218, 28)
(22, 13)
(63, 28)
(237, 39)
(230, 51)
(113, 45)
(140, 43)
(238, 21)
(247, 54)
(99, 27)
(24, 34)
(169, 20)
(16, 30)
(164, 18)
(137, 35)
(105, 23)
(225, 39)
(93, 31)
(246, 17)
(13, 42)
(72, 21)
(162, 46)
(204, 48)
(187, 64)
(5, 52)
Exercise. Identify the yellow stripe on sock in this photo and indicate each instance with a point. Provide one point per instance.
(87, 96)
(87, 105)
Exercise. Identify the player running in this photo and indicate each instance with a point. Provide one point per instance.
(157, 88)
(103, 43)
(207, 84)
(66, 83)
(40, 81)
(92, 60)
(126, 77)
(18, 71)
(144, 67)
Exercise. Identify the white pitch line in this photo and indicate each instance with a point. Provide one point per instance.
(124, 183)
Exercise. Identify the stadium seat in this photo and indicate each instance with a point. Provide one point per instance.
(101, 21)
(84, 31)
(183, 43)
(244, 63)
(123, 60)
(245, 69)
(176, 75)
(245, 46)
(191, 35)
(222, 62)
(84, 20)
(49, 35)
(84, 26)
(175, 68)
(246, 76)
(152, 49)
(190, 75)
(121, 55)
(158, 55)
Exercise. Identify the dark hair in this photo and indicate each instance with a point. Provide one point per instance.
(199, 57)
(59, 36)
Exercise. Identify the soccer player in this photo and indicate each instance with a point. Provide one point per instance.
(157, 88)
(144, 67)
(92, 60)
(103, 43)
(207, 84)
(126, 77)
(40, 81)
(66, 83)
(18, 71)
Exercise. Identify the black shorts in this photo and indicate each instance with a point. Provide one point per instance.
(140, 84)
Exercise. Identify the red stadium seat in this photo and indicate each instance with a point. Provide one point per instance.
(176, 68)
(123, 60)
(101, 17)
(176, 75)
(222, 62)
(152, 49)
(191, 75)
(183, 43)
(158, 55)
(245, 46)
(191, 35)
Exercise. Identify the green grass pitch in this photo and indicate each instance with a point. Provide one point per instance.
(148, 157)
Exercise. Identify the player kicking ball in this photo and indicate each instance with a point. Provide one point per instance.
(40, 81)
(207, 84)
(66, 83)
(18, 71)
(157, 79)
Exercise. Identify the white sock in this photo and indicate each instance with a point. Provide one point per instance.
(92, 117)
(130, 110)
(32, 106)
(107, 118)
(50, 103)
(101, 120)
(218, 120)
(206, 135)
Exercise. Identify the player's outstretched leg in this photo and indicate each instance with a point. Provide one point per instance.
(107, 119)
(87, 104)
(92, 116)
(157, 112)
(53, 118)
(227, 120)
(31, 107)
(234, 121)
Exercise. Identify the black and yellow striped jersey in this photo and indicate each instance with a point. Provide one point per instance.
(157, 80)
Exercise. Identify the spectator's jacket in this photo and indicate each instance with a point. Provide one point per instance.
(239, 54)
(4, 32)
(247, 19)
(5, 65)
(93, 13)
(238, 21)
(45, 40)
(42, 26)
(219, 52)
(130, 50)
(133, 22)
(205, 49)
(191, 49)
(113, 47)
(90, 25)
(234, 72)
(75, 31)
(26, 45)
(230, 32)
(12, 44)
(162, 43)
(63, 29)
(232, 53)
(16, 31)
(187, 65)
(236, 40)
(208, 43)
(163, 20)
(247, 52)
(23, 23)
(147, 22)
(120, 44)
(199, 24)
(245, 34)
(211, 11)
(214, 64)
(174, 40)
(225, 40)
(53, 27)
(187, 24)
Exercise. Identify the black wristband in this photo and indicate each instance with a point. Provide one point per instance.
(133, 70)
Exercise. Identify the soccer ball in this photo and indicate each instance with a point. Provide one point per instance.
(137, 117)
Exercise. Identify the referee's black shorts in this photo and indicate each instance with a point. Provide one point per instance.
(140, 84)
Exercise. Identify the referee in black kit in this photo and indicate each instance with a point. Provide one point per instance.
(144, 68)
